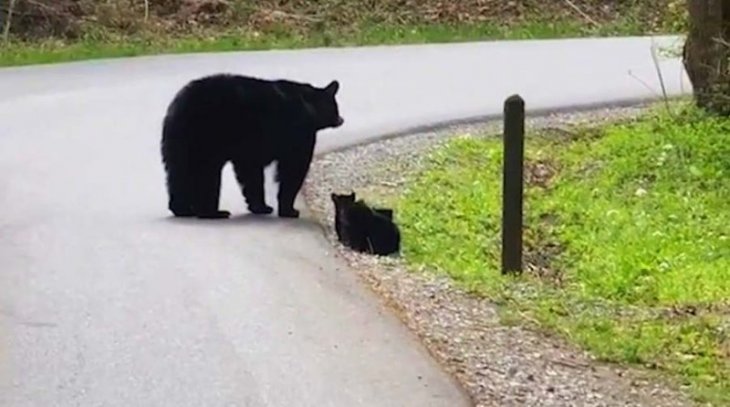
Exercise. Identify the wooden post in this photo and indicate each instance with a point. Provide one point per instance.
(512, 184)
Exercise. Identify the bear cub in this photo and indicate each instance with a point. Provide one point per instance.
(365, 229)
(251, 123)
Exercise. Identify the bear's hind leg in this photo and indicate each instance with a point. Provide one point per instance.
(207, 193)
(179, 202)
(179, 183)
(251, 179)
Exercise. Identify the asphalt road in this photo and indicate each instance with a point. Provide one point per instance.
(106, 300)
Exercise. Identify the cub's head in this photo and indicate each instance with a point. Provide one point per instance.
(342, 202)
(321, 106)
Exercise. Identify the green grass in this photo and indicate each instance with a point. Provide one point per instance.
(634, 220)
(104, 45)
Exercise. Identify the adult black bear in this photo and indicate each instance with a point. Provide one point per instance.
(250, 122)
(365, 229)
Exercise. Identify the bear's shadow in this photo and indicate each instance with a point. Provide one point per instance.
(248, 219)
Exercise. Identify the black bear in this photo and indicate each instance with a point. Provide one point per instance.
(250, 122)
(365, 229)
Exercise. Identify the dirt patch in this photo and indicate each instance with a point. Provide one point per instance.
(539, 258)
(539, 173)
(542, 250)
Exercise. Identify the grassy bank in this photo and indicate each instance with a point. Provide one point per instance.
(628, 251)
(62, 30)
(24, 53)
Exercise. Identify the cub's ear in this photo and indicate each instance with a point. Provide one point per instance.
(332, 88)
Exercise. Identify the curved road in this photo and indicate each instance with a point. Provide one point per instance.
(105, 300)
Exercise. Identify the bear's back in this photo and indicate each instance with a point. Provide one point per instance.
(232, 103)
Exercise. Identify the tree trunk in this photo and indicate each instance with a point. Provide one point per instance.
(707, 53)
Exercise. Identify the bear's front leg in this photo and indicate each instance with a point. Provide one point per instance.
(288, 190)
(291, 175)
(251, 179)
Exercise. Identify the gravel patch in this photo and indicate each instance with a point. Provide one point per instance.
(498, 365)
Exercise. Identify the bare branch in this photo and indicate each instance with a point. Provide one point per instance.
(8, 22)
(658, 68)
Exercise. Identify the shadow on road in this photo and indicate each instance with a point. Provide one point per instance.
(248, 219)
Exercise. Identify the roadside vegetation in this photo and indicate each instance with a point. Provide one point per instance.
(43, 31)
(627, 239)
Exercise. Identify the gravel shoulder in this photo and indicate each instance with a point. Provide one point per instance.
(498, 365)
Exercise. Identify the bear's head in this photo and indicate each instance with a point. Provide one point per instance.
(321, 106)
(343, 203)
(343, 199)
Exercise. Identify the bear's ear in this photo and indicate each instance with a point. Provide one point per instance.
(332, 88)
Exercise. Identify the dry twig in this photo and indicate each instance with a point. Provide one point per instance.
(582, 13)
